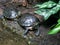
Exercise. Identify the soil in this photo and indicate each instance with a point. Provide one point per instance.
(11, 33)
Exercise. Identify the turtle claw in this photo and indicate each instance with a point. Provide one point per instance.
(37, 33)
(25, 36)
(25, 33)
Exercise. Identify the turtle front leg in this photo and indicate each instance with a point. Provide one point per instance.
(37, 32)
(25, 33)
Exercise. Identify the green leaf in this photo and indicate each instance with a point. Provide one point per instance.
(54, 31)
(48, 4)
(58, 21)
(46, 13)
(43, 12)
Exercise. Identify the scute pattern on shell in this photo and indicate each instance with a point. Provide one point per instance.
(10, 13)
(28, 20)
(5, 1)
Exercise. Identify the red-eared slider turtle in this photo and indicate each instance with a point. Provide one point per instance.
(10, 13)
(5, 1)
(29, 22)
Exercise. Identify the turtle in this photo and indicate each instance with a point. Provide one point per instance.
(5, 1)
(29, 22)
(10, 13)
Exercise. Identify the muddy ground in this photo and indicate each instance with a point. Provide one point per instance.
(11, 34)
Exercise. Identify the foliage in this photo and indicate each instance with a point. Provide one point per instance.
(56, 29)
(47, 9)
(48, 4)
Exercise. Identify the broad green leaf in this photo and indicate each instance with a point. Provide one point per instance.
(46, 10)
(46, 13)
(43, 12)
(48, 4)
(55, 9)
(58, 21)
(54, 31)
(59, 2)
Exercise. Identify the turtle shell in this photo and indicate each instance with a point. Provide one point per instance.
(28, 20)
(10, 13)
(5, 1)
